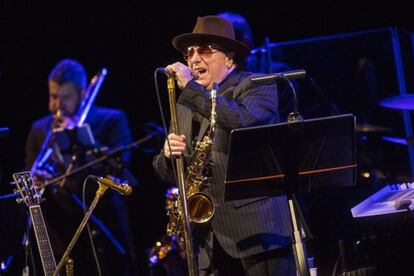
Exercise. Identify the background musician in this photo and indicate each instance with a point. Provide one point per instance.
(67, 84)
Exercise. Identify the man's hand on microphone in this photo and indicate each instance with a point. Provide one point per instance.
(183, 73)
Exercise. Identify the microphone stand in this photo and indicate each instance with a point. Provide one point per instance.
(295, 128)
(99, 193)
(294, 116)
(299, 251)
(179, 162)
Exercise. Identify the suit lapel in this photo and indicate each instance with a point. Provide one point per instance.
(203, 128)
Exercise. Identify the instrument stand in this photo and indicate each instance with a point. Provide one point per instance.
(99, 193)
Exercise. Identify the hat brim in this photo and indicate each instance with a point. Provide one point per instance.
(183, 41)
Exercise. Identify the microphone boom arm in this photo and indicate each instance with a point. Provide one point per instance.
(287, 76)
(294, 74)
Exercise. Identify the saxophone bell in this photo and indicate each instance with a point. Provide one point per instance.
(200, 207)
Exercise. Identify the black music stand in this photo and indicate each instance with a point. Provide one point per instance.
(293, 157)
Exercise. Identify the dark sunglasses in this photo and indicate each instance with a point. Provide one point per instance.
(204, 51)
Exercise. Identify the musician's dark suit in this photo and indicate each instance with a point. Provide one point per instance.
(242, 227)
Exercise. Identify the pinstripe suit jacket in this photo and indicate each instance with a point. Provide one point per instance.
(243, 227)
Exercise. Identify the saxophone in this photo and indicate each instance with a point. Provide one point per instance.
(200, 205)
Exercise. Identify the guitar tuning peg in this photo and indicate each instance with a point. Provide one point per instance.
(19, 200)
(12, 183)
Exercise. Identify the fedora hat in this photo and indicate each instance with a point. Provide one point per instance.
(212, 29)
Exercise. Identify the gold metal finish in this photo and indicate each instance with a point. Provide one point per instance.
(69, 267)
(182, 209)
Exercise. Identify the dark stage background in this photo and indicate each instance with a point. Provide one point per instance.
(131, 40)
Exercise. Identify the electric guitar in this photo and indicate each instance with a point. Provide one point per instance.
(32, 198)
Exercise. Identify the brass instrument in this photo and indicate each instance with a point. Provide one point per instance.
(90, 96)
(43, 158)
(200, 205)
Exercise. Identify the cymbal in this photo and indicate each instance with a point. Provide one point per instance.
(398, 140)
(404, 102)
(371, 128)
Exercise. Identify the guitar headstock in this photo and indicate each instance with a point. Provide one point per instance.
(24, 183)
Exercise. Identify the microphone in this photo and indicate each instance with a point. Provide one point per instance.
(290, 75)
(122, 188)
(169, 73)
(161, 69)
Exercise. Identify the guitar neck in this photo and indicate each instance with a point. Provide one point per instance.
(42, 238)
